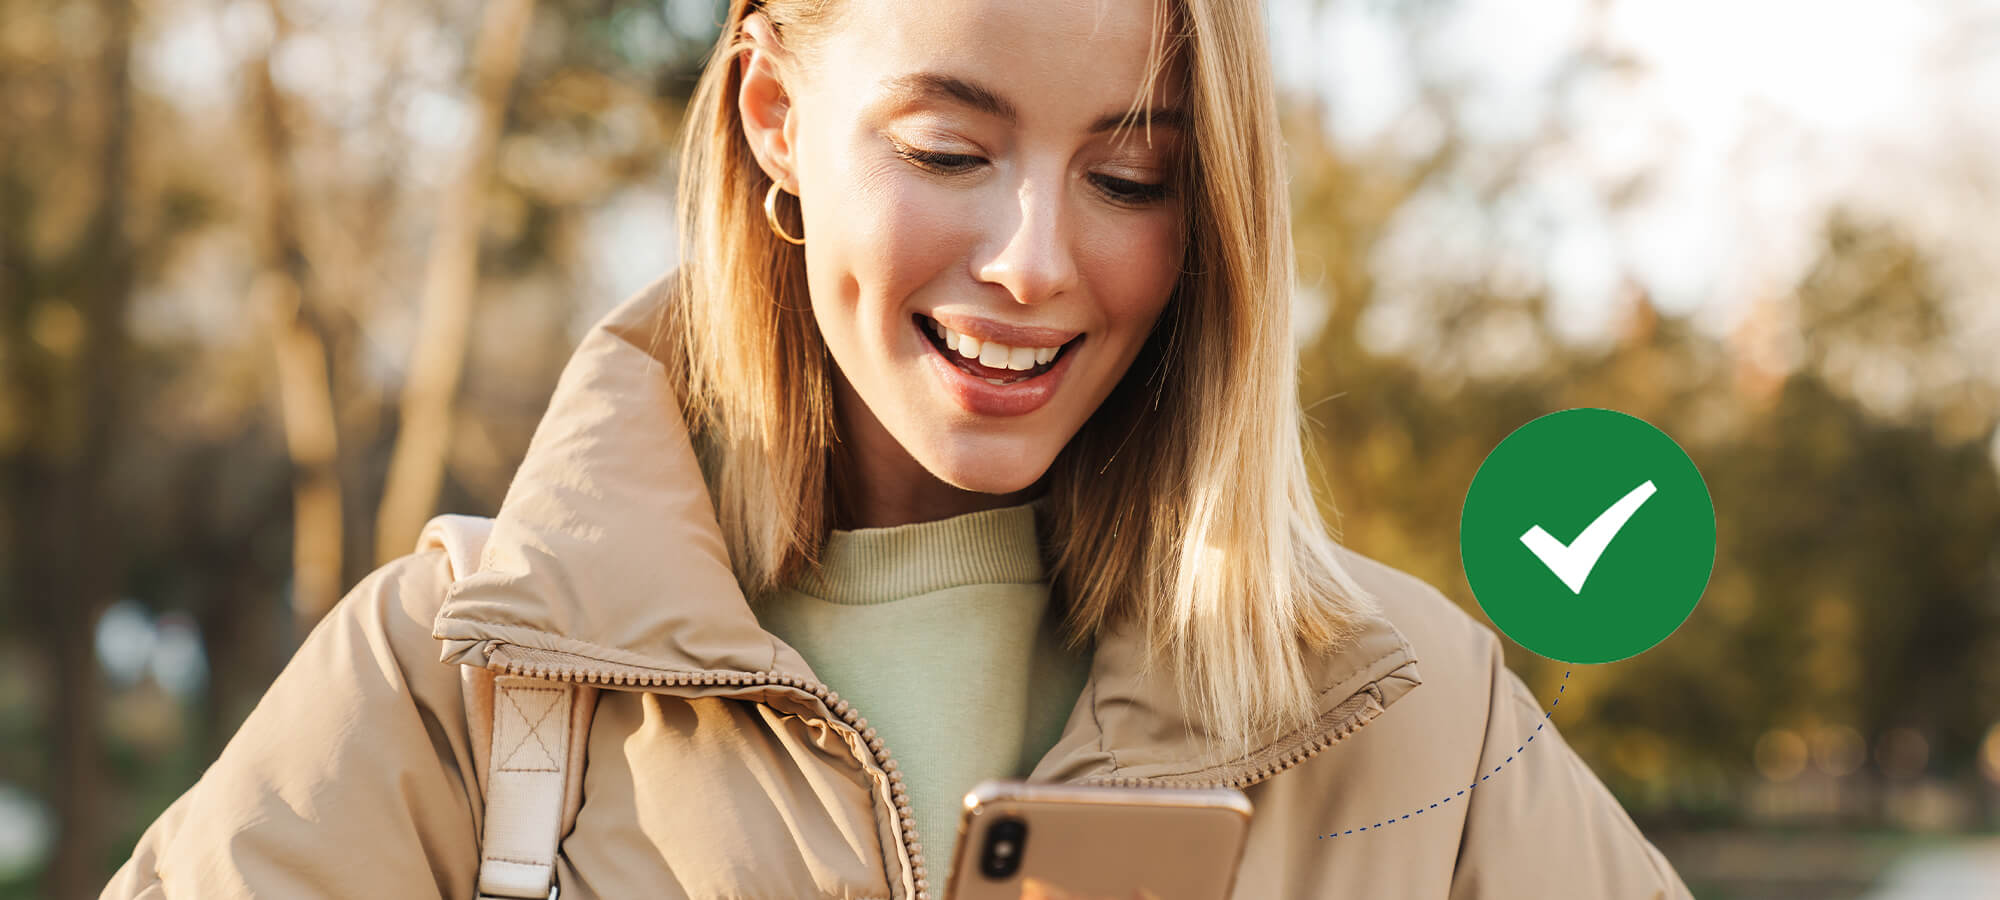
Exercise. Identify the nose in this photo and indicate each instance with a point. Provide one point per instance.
(1036, 260)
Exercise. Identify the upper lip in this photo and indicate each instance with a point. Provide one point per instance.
(1003, 333)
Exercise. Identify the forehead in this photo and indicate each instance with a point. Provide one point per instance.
(1060, 60)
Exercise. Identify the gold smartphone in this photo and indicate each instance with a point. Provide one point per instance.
(1021, 841)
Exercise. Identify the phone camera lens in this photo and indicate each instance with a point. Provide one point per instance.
(1001, 857)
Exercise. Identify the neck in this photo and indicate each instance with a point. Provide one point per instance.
(877, 493)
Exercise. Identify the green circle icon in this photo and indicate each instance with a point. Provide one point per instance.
(1588, 536)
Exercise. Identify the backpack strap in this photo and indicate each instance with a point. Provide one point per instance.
(527, 738)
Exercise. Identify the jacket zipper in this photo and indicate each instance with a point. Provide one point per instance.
(1338, 732)
(1262, 773)
(852, 719)
(849, 717)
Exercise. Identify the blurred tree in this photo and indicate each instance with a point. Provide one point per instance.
(69, 268)
(445, 309)
(137, 457)
(281, 293)
(1855, 583)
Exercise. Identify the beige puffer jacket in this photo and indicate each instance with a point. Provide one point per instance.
(717, 768)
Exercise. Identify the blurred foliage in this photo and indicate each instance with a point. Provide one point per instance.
(1857, 581)
(144, 452)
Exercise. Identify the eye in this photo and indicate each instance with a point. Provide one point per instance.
(1119, 190)
(1133, 192)
(942, 163)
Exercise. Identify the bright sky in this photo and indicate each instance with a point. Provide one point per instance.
(1750, 119)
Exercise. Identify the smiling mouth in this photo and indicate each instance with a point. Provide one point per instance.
(990, 361)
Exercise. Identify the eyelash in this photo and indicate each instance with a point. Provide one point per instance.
(1122, 190)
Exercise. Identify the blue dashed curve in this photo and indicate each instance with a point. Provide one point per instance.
(1473, 786)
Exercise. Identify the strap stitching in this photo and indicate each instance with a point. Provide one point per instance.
(533, 731)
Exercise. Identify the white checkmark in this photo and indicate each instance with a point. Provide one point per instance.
(1572, 562)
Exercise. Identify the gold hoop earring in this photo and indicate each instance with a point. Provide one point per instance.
(771, 216)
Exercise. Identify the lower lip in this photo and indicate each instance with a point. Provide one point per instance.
(982, 397)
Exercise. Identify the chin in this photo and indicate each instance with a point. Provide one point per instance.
(990, 473)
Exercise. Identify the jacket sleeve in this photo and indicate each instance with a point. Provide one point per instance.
(348, 779)
(1548, 827)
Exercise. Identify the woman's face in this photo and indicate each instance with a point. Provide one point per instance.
(984, 258)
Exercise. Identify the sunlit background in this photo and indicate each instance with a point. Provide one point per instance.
(1770, 227)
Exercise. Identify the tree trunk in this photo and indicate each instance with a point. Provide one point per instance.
(416, 468)
(305, 389)
(75, 560)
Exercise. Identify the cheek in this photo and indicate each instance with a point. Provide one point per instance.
(885, 234)
(1133, 266)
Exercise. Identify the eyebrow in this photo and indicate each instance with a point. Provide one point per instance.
(979, 97)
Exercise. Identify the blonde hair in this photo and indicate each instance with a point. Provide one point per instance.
(1206, 539)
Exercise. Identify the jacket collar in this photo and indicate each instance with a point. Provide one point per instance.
(607, 549)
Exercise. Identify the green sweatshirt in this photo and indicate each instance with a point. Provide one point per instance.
(942, 635)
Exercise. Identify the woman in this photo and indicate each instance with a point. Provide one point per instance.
(991, 434)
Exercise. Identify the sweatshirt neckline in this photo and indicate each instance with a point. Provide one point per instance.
(877, 565)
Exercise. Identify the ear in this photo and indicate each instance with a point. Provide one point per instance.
(763, 103)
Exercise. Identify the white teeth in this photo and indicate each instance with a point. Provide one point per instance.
(995, 355)
(998, 381)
